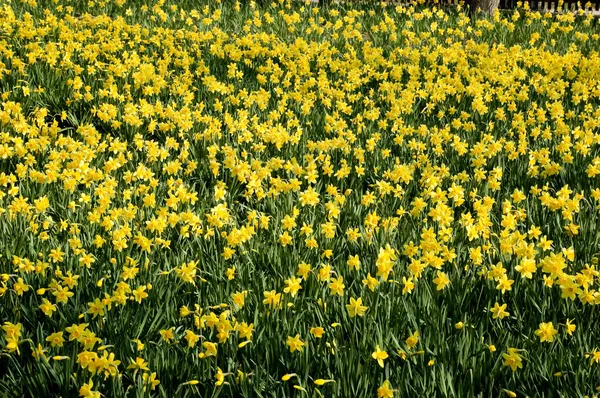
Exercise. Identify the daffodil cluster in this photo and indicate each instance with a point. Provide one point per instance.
(354, 200)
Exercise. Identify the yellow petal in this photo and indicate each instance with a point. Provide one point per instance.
(320, 382)
(244, 343)
(288, 376)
